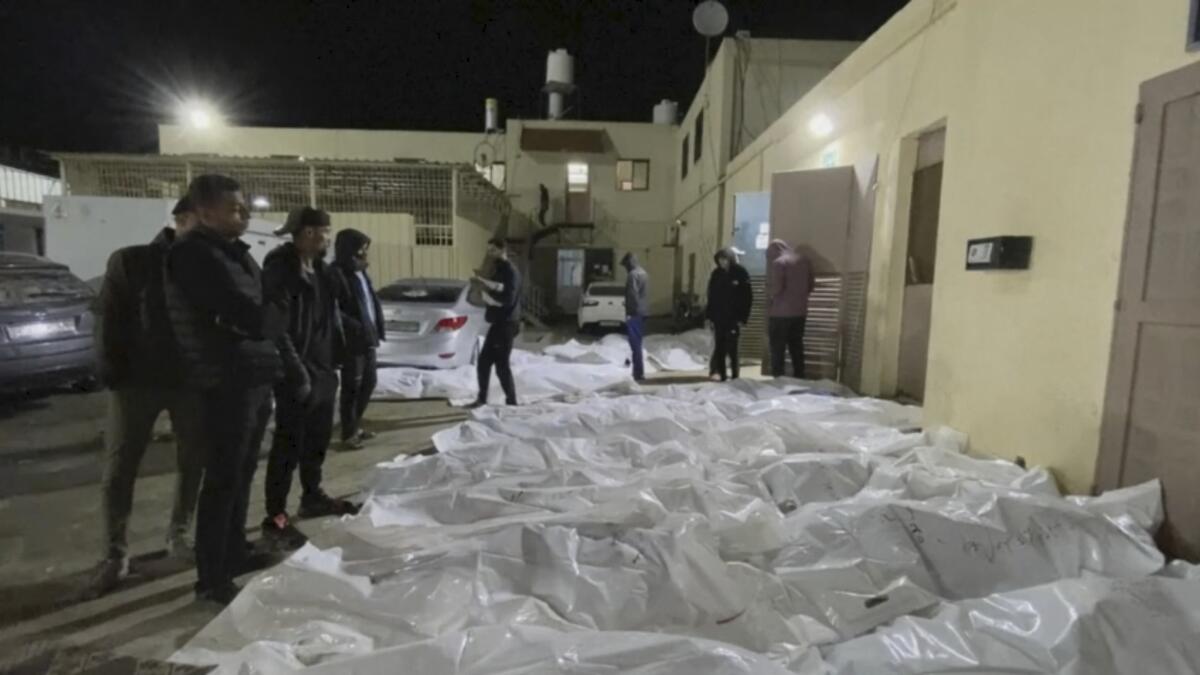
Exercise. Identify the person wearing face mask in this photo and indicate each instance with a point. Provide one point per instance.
(362, 321)
(295, 275)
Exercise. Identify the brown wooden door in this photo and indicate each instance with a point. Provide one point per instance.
(1151, 426)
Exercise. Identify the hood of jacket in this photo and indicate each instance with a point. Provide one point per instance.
(347, 244)
(728, 253)
(776, 248)
(629, 261)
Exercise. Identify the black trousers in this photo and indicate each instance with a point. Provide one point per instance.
(497, 349)
(786, 333)
(725, 347)
(358, 383)
(302, 435)
(236, 418)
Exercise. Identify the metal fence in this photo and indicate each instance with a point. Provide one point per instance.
(431, 193)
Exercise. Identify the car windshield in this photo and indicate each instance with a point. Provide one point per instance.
(417, 292)
(41, 287)
(607, 291)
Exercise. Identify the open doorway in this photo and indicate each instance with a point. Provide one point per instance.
(570, 279)
(920, 263)
(579, 194)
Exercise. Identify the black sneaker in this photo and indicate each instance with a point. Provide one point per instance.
(321, 504)
(221, 595)
(352, 443)
(279, 534)
(364, 435)
(107, 576)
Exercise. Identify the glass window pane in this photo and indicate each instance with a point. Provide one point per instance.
(641, 175)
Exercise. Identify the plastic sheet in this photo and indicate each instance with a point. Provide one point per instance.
(541, 375)
(748, 527)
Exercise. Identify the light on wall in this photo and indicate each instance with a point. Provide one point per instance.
(260, 203)
(820, 125)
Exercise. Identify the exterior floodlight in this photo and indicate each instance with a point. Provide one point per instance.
(820, 125)
(261, 203)
(200, 115)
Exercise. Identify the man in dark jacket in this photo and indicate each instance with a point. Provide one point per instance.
(226, 338)
(294, 275)
(139, 364)
(790, 282)
(728, 309)
(362, 321)
(637, 306)
(502, 295)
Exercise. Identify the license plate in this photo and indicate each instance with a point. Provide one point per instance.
(404, 326)
(39, 330)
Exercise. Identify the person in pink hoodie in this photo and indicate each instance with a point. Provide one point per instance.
(789, 283)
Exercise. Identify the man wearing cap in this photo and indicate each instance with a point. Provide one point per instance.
(295, 276)
(140, 365)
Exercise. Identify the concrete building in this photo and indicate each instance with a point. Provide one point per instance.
(612, 187)
(1032, 108)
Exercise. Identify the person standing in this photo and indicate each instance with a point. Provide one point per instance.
(502, 295)
(790, 282)
(294, 275)
(139, 364)
(226, 338)
(728, 309)
(637, 292)
(362, 320)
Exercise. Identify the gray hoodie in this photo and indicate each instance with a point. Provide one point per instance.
(789, 281)
(637, 287)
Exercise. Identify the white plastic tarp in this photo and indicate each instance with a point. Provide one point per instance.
(725, 528)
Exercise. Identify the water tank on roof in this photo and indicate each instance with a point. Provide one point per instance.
(491, 115)
(560, 68)
(666, 112)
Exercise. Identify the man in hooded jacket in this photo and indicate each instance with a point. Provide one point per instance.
(728, 309)
(295, 276)
(362, 321)
(790, 281)
(637, 305)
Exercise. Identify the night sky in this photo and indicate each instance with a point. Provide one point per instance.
(95, 75)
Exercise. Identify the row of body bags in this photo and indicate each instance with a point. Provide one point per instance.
(554, 370)
(744, 528)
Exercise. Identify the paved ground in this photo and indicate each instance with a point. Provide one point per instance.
(50, 536)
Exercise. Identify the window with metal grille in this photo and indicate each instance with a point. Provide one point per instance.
(633, 175)
(698, 135)
(434, 235)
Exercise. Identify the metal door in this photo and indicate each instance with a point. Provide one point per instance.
(811, 210)
(1151, 426)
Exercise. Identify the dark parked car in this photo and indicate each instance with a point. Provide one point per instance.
(46, 324)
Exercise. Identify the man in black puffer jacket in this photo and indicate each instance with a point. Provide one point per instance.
(294, 274)
(728, 309)
(139, 364)
(226, 338)
(362, 320)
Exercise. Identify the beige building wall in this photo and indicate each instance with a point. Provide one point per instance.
(636, 221)
(351, 144)
(1038, 100)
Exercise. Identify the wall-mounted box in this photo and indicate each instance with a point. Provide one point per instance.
(999, 253)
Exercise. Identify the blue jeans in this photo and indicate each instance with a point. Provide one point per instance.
(634, 327)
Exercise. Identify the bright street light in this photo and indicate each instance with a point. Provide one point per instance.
(200, 114)
(820, 125)
(261, 203)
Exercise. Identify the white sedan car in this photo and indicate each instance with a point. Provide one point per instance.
(602, 306)
(430, 324)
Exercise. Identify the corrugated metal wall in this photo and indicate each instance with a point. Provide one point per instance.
(822, 332)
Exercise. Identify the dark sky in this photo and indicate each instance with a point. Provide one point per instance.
(96, 75)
